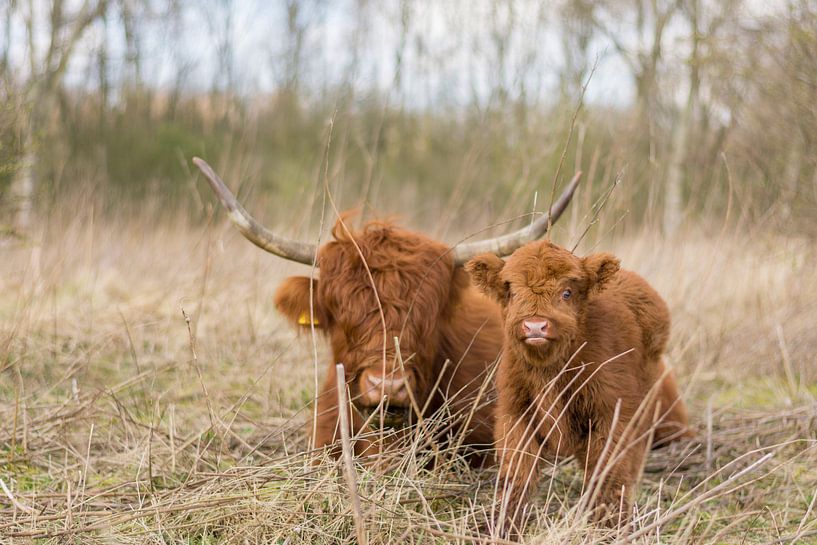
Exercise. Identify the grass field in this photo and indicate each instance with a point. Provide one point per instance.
(120, 422)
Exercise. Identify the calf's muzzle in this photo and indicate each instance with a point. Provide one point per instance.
(536, 331)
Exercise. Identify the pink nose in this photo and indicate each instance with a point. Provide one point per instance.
(374, 386)
(535, 328)
(388, 384)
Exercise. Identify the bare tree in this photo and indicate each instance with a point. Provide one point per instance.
(221, 26)
(40, 92)
(133, 48)
(704, 23)
(300, 16)
(576, 34)
(8, 13)
(673, 198)
(642, 55)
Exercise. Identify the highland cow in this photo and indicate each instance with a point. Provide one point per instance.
(581, 374)
(380, 284)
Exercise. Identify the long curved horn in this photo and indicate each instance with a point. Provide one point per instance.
(294, 250)
(506, 244)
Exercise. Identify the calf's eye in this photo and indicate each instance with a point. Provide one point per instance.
(566, 294)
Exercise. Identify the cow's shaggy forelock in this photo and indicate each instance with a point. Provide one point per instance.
(412, 278)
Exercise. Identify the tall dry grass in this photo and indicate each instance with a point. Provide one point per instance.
(120, 425)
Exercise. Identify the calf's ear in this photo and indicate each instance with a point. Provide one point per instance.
(600, 268)
(484, 270)
(292, 300)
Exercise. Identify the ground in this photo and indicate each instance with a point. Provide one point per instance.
(122, 422)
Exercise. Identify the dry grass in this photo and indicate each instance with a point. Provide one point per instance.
(116, 428)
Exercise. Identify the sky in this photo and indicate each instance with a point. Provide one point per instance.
(450, 58)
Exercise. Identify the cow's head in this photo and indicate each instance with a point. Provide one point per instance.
(543, 289)
(375, 285)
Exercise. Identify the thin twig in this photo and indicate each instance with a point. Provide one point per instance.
(14, 501)
(348, 460)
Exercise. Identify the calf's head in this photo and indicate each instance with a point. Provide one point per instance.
(543, 289)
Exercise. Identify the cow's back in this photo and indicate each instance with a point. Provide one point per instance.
(648, 309)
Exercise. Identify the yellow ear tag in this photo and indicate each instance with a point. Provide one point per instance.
(303, 319)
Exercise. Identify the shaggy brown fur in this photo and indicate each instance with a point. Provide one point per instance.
(581, 358)
(426, 302)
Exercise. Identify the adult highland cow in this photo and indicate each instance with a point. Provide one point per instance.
(382, 283)
(581, 373)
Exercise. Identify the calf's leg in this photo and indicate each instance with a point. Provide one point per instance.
(675, 421)
(518, 455)
(610, 479)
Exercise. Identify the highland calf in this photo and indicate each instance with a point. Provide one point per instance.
(395, 306)
(581, 374)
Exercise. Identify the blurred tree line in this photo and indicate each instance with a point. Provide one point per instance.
(437, 106)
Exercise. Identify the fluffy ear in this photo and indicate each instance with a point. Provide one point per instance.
(600, 268)
(484, 270)
(292, 300)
